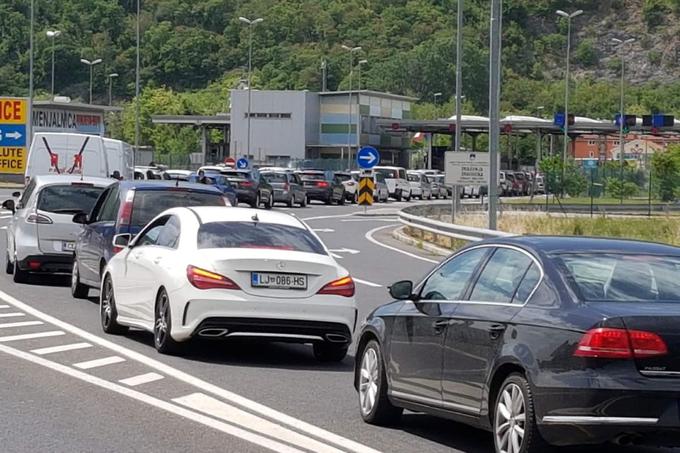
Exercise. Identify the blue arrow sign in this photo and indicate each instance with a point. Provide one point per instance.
(12, 135)
(368, 157)
(242, 164)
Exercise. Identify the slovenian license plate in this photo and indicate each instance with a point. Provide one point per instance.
(67, 246)
(278, 281)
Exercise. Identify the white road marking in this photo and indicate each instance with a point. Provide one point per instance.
(327, 217)
(370, 237)
(11, 315)
(8, 325)
(4, 306)
(222, 411)
(206, 387)
(372, 219)
(62, 348)
(99, 362)
(337, 257)
(160, 404)
(141, 379)
(3, 228)
(31, 336)
(324, 230)
(367, 283)
(343, 250)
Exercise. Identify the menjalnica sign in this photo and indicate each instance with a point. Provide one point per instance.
(59, 120)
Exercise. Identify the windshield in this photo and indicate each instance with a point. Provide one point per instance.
(149, 203)
(68, 199)
(622, 278)
(313, 176)
(237, 175)
(258, 236)
(387, 173)
(343, 177)
(275, 177)
(414, 178)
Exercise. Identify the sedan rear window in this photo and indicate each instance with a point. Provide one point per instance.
(313, 176)
(342, 177)
(69, 199)
(257, 236)
(389, 174)
(623, 278)
(149, 203)
(275, 177)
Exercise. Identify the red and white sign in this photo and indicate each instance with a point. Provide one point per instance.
(230, 161)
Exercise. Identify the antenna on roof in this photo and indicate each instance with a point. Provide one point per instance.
(177, 181)
(255, 218)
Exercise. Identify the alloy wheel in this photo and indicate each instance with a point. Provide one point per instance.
(161, 330)
(510, 420)
(106, 305)
(368, 381)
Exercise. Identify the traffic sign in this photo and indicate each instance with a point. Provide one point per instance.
(466, 169)
(366, 188)
(14, 118)
(230, 161)
(242, 164)
(368, 157)
(590, 164)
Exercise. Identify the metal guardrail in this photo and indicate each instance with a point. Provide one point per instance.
(409, 217)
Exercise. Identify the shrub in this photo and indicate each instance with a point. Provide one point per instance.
(618, 189)
(586, 53)
(655, 12)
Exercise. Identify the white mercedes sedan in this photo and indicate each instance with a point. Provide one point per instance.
(225, 273)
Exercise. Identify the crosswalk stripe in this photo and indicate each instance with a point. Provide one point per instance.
(141, 379)
(11, 315)
(8, 325)
(99, 362)
(62, 348)
(30, 336)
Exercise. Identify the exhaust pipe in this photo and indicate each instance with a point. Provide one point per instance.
(336, 338)
(212, 333)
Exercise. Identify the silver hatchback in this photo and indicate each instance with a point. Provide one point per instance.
(41, 236)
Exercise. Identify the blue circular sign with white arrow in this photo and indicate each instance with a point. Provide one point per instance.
(242, 164)
(368, 157)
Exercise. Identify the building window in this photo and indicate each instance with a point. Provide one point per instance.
(270, 116)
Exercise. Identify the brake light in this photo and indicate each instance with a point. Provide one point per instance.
(606, 343)
(202, 279)
(125, 214)
(340, 287)
(286, 186)
(321, 184)
(245, 184)
(39, 219)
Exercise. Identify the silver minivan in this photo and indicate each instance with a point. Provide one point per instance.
(41, 237)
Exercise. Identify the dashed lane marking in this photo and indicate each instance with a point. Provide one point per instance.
(4, 306)
(141, 379)
(31, 336)
(62, 348)
(99, 362)
(370, 237)
(367, 283)
(8, 325)
(12, 315)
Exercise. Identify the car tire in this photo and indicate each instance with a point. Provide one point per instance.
(291, 202)
(9, 266)
(355, 199)
(330, 352)
(107, 309)
(270, 202)
(373, 387)
(256, 203)
(162, 325)
(329, 200)
(19, 275)
(516, 391)
(408, 198)
(397, 196)
(341, 200)
(78, 290)
(303, 203)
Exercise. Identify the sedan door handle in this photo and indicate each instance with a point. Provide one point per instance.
(440, 325)
(496, 330)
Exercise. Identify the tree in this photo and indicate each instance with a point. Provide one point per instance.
(666, 170)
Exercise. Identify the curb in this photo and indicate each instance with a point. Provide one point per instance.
(400, 236)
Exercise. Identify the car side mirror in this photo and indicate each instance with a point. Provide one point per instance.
(16, 194)
(9, 205)
(402, 290)
(122, 240)
(81, 218)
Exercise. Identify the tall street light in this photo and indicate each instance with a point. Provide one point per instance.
(361, 63)
(622, 117)
(251, 24)
(137, 87)
(495, 43)
(351, 51)
(30, 72)
(53, 34)
(111, 76)
(569, 17)
(91, 64)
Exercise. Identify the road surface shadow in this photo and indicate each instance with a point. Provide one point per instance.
(253, 353)
(48, 280)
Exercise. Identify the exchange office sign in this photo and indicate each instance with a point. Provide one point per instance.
(66, 120)
(466, 168)
(13, 135)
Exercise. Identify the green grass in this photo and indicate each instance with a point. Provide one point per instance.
(540, 199)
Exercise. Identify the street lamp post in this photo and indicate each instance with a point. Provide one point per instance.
(251, 24)
(361, 63)
(351, 51)
(53, 34)
(569, 17)
(495, 41)
(111, 76)
(91, 64)
(137, 83)
(622, 117)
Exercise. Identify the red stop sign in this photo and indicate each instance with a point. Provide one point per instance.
(230, 161)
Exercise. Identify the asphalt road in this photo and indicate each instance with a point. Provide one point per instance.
(115, 393)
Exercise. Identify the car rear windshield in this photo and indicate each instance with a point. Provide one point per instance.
(149, 203)
(313, 176)
(275, 177)
(343, 178)
(414, 178)
(389, 174)
(69, 199)
(619, 277)
(236, 175)
(257, 236)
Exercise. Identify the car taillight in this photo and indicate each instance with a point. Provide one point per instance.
(321, 184)
(38, 218)
(125, 214)
(286, 186)
(245, 184)
(607, 343)
(340, 287)
(203, 279)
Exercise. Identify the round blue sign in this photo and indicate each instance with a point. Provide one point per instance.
(368, 157)
(242, 163)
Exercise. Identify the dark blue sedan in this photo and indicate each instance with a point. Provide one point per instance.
(125, 207)
(540, 340)
(219, 181)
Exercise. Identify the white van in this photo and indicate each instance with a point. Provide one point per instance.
(397, 185)
(59, 153)
(120, 158)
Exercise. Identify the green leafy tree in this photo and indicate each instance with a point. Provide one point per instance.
(666, 170)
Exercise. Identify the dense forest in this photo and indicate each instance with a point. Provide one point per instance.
(195, 51)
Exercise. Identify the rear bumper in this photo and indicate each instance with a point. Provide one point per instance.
(51, 264)
(315, 194)
(246, 196)
(282, 195)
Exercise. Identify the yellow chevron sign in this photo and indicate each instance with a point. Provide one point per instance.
(366, 188)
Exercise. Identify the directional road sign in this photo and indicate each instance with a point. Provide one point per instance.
(368, 157)
(14, 118)
(366, 188)
(242, 164)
